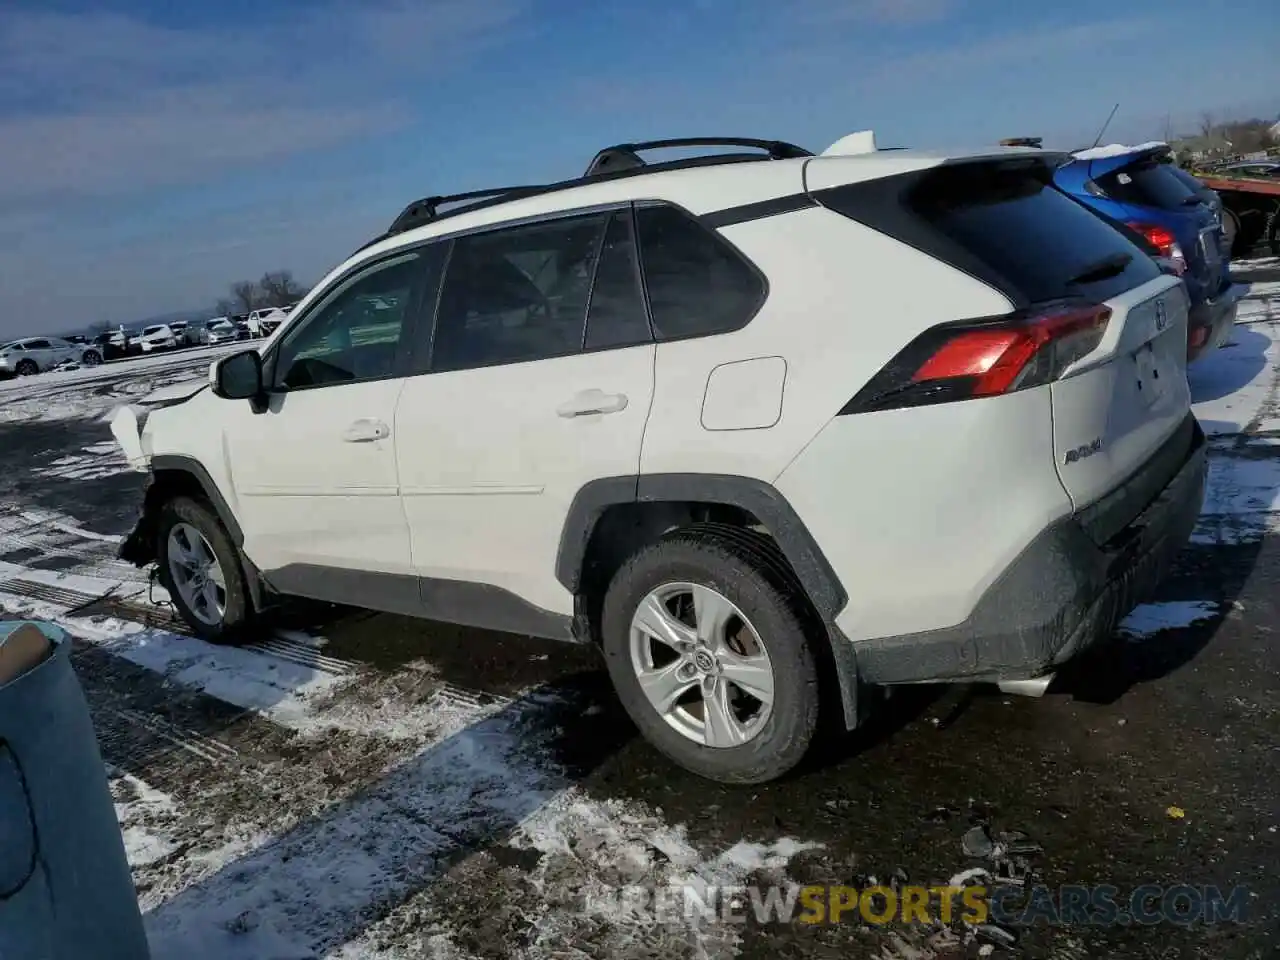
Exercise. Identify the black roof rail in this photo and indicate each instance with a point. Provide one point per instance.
(428, 208)
(611, 163)
(626, 156)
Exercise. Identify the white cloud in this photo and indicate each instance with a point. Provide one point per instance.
(100, 103)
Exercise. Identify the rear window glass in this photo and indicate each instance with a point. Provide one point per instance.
(1147, 184)
(1028, 238)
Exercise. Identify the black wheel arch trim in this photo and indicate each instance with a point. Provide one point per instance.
(755, 496)
(259, 589)
(180, 464)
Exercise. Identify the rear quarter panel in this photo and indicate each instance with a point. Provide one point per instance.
(843, 299)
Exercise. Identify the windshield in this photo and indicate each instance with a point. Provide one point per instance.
(5, 347)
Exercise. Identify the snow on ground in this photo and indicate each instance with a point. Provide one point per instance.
(1150, 618)
(341, 811)
(91, 392)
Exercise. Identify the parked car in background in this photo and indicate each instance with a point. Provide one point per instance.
(262, 322)
(241, 323)
(179, 328)
(158, 336)
(121, 339)
(218, 330)
(23, 358)
(1269, 169)
(1133, 186)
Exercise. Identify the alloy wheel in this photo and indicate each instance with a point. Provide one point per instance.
(701, 664)
(196, 574)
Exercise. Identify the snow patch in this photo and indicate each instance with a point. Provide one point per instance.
(1151, 618)
(1116, 150)
(593, 850)
(1242, 501)
(1231, 386)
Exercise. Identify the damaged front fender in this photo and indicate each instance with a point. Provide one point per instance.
(126, 426)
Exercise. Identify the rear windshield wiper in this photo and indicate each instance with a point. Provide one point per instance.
(1104, 269)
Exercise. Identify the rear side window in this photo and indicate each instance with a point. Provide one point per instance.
(1147, 184)
(517, 294)
(1007, 224)
(697, 283)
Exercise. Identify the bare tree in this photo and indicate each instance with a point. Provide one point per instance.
(245, 296)
(278, 289)
(1207, 124)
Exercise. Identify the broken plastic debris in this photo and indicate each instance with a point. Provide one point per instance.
(977, 842)
(997, 935)
(1177, 813)
(968, 876)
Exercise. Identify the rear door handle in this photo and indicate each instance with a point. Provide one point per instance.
(592, 401)
(366, 431)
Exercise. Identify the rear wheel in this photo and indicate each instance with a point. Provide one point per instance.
(26, 368)
(1230, 228)
(200, 568)
(91, 358)
(706, 645)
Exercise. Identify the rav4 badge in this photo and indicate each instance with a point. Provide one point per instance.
(1083, 452)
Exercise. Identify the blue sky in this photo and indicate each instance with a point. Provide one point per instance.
(155, 152)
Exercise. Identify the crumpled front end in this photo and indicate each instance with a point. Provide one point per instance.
(127, 423)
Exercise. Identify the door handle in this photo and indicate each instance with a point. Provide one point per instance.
(592, 401)
(366, 431)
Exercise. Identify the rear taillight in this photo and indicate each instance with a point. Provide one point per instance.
(985, 358)
(1164, 241)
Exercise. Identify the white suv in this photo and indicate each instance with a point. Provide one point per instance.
(768, 427)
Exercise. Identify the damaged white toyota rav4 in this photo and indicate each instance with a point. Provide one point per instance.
(770, 428)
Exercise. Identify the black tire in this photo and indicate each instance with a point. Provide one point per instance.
(238, 618)
(1271, 231)
(91, 358)
(26, 368)
(745, 569)
(1231, 229)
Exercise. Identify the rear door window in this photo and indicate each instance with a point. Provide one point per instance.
(517, 294)
(1014, 229)
(1147, 184)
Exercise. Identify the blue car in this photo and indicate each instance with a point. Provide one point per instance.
(1133, 186)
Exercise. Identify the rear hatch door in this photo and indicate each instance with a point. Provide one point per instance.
(1114, 407)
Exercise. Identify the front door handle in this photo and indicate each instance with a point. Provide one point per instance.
(592, 401)
(366, 431)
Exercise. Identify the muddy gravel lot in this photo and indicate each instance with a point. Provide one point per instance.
(367, 786)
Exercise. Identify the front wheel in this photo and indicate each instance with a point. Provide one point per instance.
(200, 568)
(707, 647)
(26, 368)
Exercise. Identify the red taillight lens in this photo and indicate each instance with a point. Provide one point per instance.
(985, 358)
(1165, 242)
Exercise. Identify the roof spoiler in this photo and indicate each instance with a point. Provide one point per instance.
(852, 145)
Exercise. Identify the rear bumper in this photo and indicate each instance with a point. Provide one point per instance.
(1066, 591)
(1210, 321)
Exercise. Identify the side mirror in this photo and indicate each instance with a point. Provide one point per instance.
(238, 377)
